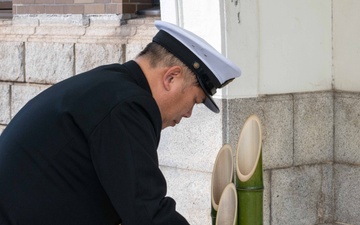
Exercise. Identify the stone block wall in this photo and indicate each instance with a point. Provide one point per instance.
(311, 154)
(38, 52)
(297, 154)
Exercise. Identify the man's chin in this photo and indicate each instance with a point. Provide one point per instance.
(173, 124)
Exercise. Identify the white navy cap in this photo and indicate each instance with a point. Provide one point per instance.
(212, 69)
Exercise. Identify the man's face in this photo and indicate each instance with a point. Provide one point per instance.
(181, 100)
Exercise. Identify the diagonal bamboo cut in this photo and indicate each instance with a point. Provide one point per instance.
(249, 174)
(227, 211)
(222, 175)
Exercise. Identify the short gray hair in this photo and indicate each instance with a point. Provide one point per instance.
(158, 56)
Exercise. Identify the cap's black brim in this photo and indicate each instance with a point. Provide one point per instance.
(209, 102)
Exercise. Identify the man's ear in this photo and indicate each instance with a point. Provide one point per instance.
(170, 76)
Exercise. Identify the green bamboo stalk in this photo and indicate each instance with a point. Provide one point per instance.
(222, 175)
(249, 174)
(227, 211)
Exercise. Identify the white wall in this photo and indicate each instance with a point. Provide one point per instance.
(241, 28)
(295, 46)
(347, 45)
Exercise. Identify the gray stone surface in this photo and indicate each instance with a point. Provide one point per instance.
(298, 195)
(325, 207)
(145, 28)
(2, 127)
(16, 33)
(146, 31)
(12, 61)
(60, 31)
(109, 31)
(89, 56)
(347, 128)
(191, 191)
(132, 49)
(347, 194)
(235, 112)
(21, 94)
(194, 143)
(266, 198)
(278, 131)
(25, 20)
(313, 128)
(109, 25)
(51, 19)
(49, 63)
(105, 19)
(4, 103)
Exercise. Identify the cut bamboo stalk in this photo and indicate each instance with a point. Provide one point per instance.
(249, 174)
(227, 211)
(222, 175)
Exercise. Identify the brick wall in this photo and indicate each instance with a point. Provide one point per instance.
(5, 9)
(80, 6)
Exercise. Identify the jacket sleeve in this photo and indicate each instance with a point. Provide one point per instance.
(124, 154)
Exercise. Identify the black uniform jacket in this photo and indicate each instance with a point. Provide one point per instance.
(83, 152)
